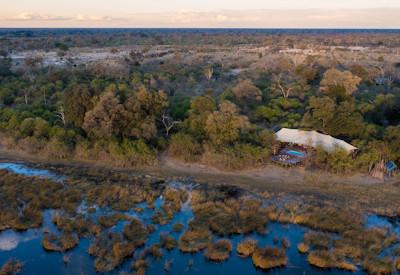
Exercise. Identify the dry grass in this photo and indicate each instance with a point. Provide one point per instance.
(136, 232)
(11, 267)
(378, 266)
(328, 259)
(269, 257)
(168, 242)
(110, 250)
(246, 247)
(63, 243)
(303, 248)
(194, 240)
(219, 251)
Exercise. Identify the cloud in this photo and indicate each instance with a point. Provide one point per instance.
(267, 18)
(81, 17)
(28, 16)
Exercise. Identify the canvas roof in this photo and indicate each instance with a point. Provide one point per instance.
(312, 139)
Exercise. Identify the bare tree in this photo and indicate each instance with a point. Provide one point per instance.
(168, 123)
(61, 115)
(285, 84)
(208, 73)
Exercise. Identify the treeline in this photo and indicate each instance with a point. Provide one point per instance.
(130, 120)
(64, 39)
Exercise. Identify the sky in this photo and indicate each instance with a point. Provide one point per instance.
(204, 13)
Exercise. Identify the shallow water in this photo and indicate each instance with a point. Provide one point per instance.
(26, 246)
(24, 170)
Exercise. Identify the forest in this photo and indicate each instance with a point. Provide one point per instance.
(212, 98)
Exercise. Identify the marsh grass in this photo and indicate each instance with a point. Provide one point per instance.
(325, 259)
(232, 216)
(136, 232)
(303, 248)
(177, 227)
(11, 267)
(80, 225)
(269, 257)
(168, 242)
(109, 251)
(140, 266)
(219, 251)
(113, 219)
(194, 240)
(63, 243)
(154, 251)
(375, 265)
(246, 247)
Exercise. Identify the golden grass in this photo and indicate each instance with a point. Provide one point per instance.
(110, 250)
(219, 251)
(194, 240)
(328, 259)
(269, 257)
(63, 243)
(168, 242)
(136, 232)
(375, 265)
(303, 248)
(246, 247)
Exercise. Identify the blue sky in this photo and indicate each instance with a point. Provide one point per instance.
(205, 13)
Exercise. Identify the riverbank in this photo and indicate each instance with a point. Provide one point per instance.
(371, 194)
(99, 219)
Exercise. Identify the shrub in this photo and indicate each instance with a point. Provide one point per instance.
(184, 146)
(131, 153)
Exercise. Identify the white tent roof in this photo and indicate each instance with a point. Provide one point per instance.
(312, 139)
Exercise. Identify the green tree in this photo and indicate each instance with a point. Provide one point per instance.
(392, 137)
(200, 108)
(143, 109)
(77, 101)
(246, 93)
(107, 118)
(225, 125)
(334, 79)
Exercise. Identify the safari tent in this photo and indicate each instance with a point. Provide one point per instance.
(312, 139)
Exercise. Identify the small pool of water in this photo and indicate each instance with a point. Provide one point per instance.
(296, 153)
(24, 170)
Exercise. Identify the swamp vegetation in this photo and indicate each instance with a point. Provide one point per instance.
(121, 222)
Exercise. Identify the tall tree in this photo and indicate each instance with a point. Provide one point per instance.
(334, 79)
(143, 109)
(225, 125)
(107, 118)
(77, 101)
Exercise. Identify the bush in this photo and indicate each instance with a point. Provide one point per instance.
(131, 153)
(27, 127)
(238, 157)
(184, 146)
